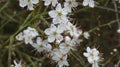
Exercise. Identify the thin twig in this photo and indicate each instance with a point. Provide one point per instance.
(104, 25)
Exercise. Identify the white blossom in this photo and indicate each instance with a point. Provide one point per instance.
(17, 64)
(86, 35)
(28, 39)
(59, 57)
(59, 14)
(73, 30)
(92, 56)
(54, 33)
(31, 32)
(63, 61)
(69, 4)
(28, 3)
(20, 36)
(118, 31)
(115, 50)
(48, 2)
(42, 45)
(63, 26)
(91, 3)
(27, 35)
(67, 45)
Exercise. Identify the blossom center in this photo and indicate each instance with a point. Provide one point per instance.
(59, 14)
(91, 54)
(54, 33)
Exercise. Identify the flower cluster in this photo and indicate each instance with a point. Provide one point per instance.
(63, 33)
(68, 4)
(62, 36)
(27, 35)
(92, 56)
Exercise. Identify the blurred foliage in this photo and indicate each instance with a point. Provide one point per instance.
(99, 21)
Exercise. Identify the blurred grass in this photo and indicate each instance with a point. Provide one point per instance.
(14, 19)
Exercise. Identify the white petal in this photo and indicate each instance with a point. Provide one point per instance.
(95, 52)
(54, 2)
(86, 35)
(88, 49)
(30, 6)
(15, 63)
(47, 31)
(53, 28)
(62, 45)
(34, 1)
(91, 4)
(64, 12)
(86, 54)
(22, 3)
(67, 39)
(59, 29)
(52, 13)
(45, 42)
(66, 4)
(118, 31)
(95, 64)
(90, 60)
(48, 47)
(20, 36)
(56, 20)
(96, 58)
(58, 7)
(51, 38)
(64, 18)
(36, 46)
(59, 37)
(67, 9)
(47, 2)
(74, 4)
(63, 63)
(39, 41)
(85, 2)
(40, 49)
(28, 39)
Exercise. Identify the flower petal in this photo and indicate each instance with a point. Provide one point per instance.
(34, 1)
(39, 41)
(22, 3)
(52, 13)
(58, 7)
(59, 37)
(51, 38)
(85, 2)
(86, 54)
(90, 60)
(95, 64)
(54, 2)
(91, 4)
(47, 2)
(88, 49)
(47, 31)
(30, 6)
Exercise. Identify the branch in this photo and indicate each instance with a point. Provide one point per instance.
(108, 24)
